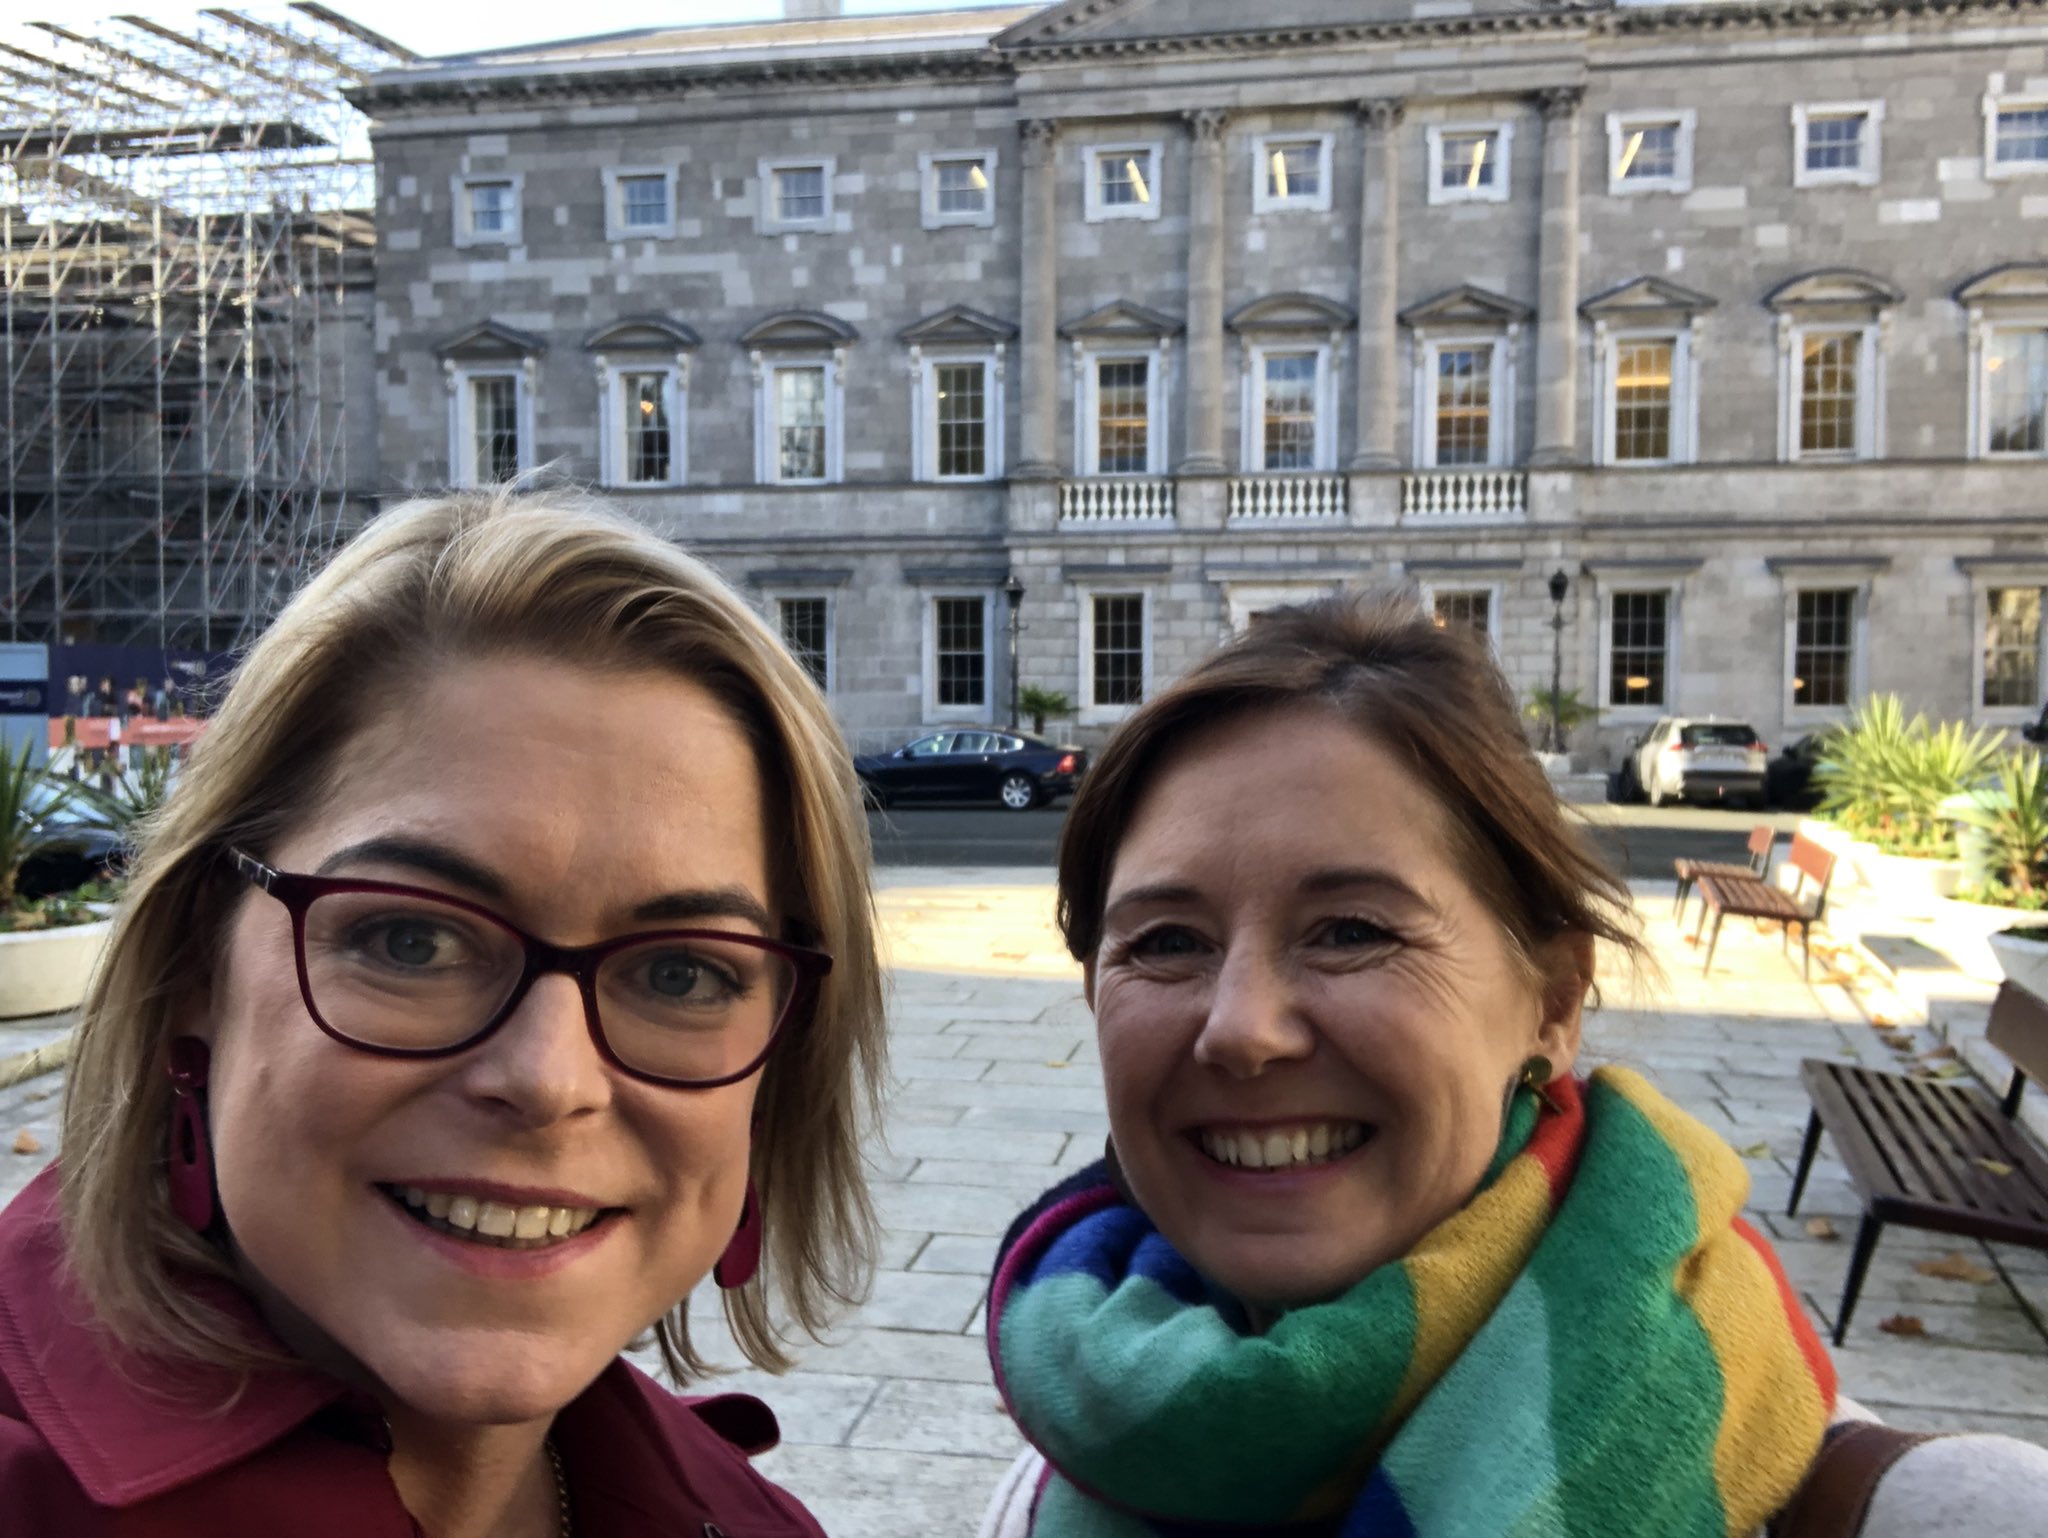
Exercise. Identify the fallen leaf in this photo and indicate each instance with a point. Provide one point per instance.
(26, 1142)
(39, 1094)
(1956, 1268)
(1055, 1062)
(1822, 1228)
(1939, 1054)
(1950, 1071)
(1902, 1324)
(1756, 1151)
(1898, 1041)
(1996, 1167)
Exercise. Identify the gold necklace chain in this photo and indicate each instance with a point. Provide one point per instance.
(568, 1523)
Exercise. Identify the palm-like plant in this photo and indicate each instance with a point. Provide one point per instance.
(136, 795)
(1568, 710)
(2014, 820)
(1885, 775)
(1039, 703)
(27, 796)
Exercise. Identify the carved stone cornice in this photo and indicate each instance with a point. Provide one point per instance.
(1382, 114)
(1560, 101)
(1040, 136)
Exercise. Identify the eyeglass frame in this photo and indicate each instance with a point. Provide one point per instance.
(299, 892)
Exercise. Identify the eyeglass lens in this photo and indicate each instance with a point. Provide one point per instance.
(413, 974)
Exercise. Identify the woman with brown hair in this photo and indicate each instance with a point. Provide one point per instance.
(1367, 1257)
(501, 967)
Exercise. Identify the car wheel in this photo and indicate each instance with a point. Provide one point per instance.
(1018, 792)
(1655, 796)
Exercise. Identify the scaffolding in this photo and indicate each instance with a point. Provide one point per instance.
(187, 248)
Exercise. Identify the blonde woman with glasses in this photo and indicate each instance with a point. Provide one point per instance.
(502, 967)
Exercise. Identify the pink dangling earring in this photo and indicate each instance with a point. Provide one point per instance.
(189, 1168)
(742, 1257)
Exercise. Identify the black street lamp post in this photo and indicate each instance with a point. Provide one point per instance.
(1013, 590)
(1560, 585)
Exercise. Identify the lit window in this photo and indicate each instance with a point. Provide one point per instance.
(1123, 182)
(1289, 410)
(1649, 152)
(2012, 647)
(1469, 163)
(2016, 391)
(494, 418)
(1823, 646)
(961, 186)
(1829, 371)
(1123, 416)
(800, 423)
(1472, 610)
(961, 416)
(1642, 399)
(645, 419)
(1464, 404)
(806, 630)
(960, 652)
(1117, 649)
(1638, 648)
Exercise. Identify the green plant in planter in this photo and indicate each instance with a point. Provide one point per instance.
(1884, 776)
(1040, 703)
(135, 796)
(1571, 714)
(27, 796)
(2014, 820)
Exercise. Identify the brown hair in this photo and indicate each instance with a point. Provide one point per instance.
(1431, 695)
(465, 576)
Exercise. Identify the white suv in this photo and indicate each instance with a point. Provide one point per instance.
(1696, 758)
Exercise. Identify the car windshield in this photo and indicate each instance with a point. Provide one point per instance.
(1717, 734)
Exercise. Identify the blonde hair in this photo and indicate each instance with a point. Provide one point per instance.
(460, 577)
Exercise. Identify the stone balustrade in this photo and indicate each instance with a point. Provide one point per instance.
(1116, 500)
(1270, 498)
(1477, 494)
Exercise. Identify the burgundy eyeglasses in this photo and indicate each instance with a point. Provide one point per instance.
(402, 971)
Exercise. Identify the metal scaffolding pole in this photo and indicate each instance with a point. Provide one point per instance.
(175, 451)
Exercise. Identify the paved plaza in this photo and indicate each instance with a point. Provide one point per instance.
(892, 1426)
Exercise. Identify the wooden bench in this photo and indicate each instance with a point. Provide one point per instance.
(1927, 1153)
(1752, 897)
(1761, 840)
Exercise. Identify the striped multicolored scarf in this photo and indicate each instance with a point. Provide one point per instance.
(1595, 1345)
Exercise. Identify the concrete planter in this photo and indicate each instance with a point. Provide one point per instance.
(2024, 956)
(1912, 884)
(43, 971)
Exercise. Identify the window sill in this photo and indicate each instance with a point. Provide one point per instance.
(1631, 189)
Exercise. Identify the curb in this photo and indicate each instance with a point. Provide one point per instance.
(47, 1058)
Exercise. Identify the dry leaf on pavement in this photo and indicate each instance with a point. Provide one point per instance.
(1898, 1041)
(1950, 1071)
(1822, 1228)
(1939, 1053)
(1956, 1268)
(1756, 1151)
(1055, 1062)
(1903, 1324)
(1996, 1167)
(26, 1142)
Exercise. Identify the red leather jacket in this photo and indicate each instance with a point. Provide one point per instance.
(88, 1450)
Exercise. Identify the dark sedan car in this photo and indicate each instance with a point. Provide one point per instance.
(973, 764)
(67, 849)
(1788, 782)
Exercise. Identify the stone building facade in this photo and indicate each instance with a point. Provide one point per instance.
(1736, 314)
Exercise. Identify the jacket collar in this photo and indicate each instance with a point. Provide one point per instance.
(129, 1429)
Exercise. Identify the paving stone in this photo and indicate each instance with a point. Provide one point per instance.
(870, 1492)
(873, 1350)
(1021, 1183)
(915, 1300)
(962, 1143)
(1911, 1417)
(962, 1254)
(1034, 1045)
(919, 1416)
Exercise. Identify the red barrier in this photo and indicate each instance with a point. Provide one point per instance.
(136, 731)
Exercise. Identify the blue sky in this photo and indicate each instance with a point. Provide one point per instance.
(432, 29)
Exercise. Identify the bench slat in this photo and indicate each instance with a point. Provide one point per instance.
(1943, 1145)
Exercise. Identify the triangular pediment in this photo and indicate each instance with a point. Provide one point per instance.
(642, 333)
(1121, 321)
(798, 328)
(1291, 312)
(1833, 286)
(958, 325)
(490, 340)
(1466, 305)
(1123, 21)
(1645, 297)
(2016, 283)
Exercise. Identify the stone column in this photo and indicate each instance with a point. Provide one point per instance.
(1379, 247)
(1039, 336)
(1205, 296)
(1557, 283)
